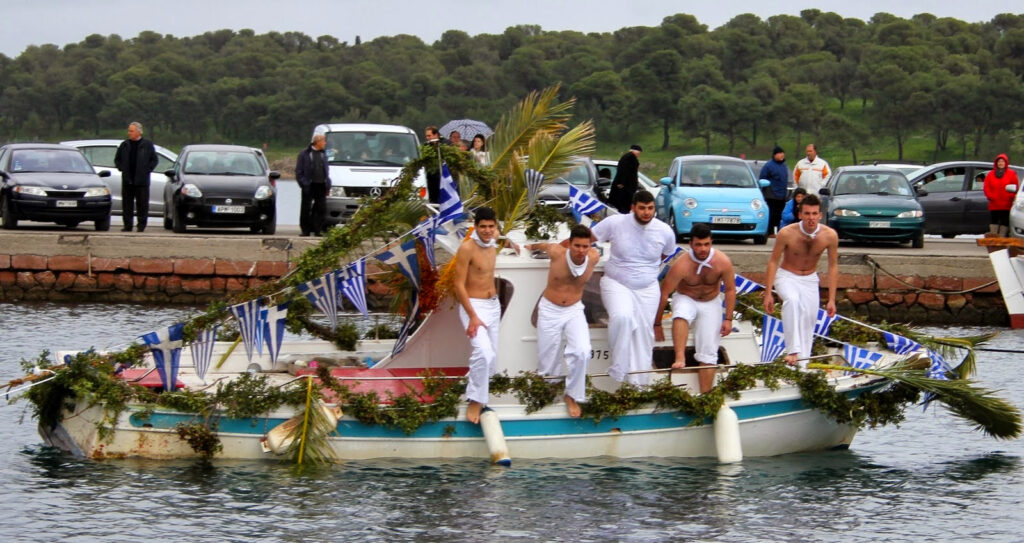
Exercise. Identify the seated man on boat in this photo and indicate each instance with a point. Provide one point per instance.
(479, 306)
(629, 287)
(560, 313)
(696, 282)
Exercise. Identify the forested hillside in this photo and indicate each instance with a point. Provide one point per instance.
(850, 84)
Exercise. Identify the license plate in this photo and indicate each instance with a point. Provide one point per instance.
(725, 220)
(229, 209)
(67, 203)
(878, 224)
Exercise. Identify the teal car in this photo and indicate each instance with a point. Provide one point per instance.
(721, 191)
(873, 203)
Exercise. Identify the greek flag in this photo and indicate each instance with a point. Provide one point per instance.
(404, 256)
(582, 203)
(202, 351)
(166, 348)
(534, 180)
(937, 370)
(407, 324)
(273, 329)
(773, 341)
(666, 263)
(250, 326)
(899, 344)
(425, 232)
(860, 358)
(323, 294)
(744, 285)
(449, 203)
(352, 281)
(823, 323)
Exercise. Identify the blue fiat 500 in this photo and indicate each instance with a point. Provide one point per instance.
(718, 190)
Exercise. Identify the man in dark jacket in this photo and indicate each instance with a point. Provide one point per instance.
(136, 158)
(313, 176)
(775, 170)
(626, 179)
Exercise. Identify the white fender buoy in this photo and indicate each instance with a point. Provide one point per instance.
(727, 436)
(495, 437)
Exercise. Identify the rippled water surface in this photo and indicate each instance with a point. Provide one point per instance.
(933, 479)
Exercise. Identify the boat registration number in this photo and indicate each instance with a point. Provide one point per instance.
(725, 220)
(229, 209)
(878, 224)
(599, 355)
(67, 203)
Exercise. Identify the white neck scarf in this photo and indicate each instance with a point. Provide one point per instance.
(480, 242)
(701, 264)
(575, 269)
(809, 234)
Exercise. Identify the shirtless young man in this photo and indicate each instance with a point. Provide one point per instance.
(793, 270)
(695, 281)
(560, 312)
(479, 306)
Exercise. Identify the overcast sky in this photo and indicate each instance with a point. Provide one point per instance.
(69, 21)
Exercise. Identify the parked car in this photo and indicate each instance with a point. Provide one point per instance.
(718, 190)
(221, 186)
(604, 183)
(904, 166)
(51, 183)
(955, 203)
(873, 203)
(100, 154)
(555, 193)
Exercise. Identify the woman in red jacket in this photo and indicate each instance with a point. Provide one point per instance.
(1000, 201)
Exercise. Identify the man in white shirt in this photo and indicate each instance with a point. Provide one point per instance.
(812, 172)
(629, 287)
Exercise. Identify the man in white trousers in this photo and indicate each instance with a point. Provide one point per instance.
(629, 287)
(793, 271)
(560, 313)
(479, 308)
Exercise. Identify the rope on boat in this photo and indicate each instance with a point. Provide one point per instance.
(32, 383)
(876, 266)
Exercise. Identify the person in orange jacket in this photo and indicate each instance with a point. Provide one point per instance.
(999, 200)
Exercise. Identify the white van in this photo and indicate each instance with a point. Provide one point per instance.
(366, 160)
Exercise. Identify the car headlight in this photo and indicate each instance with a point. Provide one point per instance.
(756, 204)
(32, 191)
(841, 212)
(337, 192)
(264, 192)
(191, 190)
(96, 191)
(910, 214)
(690, 203)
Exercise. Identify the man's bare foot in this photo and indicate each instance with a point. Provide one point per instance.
(679, 364)
(473, 412)
(574, 408)
(791, 359)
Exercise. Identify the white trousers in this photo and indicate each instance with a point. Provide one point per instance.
(483, 360)
(554, 321)
(800, 302)
(630, 328)
(705, 320)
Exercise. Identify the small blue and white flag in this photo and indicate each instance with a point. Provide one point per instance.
(404, 256)
(860, 358)
(449, 202)
(352, 281)
(273, 329)
(425, 232)
(202, 350)
(744, 285)
(773, 341)
(583, 204)
(823, 323)
(937, 370)
(533, 180)
(165, 345)
(323, 293)
(666, 263)
(250, 326)
(407, 324)
(899, 344)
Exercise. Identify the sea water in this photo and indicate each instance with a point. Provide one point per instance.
(932, 479)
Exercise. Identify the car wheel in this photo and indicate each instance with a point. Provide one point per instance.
(948, 236)
(10, 222)
(918, 241)
(270, 227)
(178, 221)
(168, 224)
(672, 225)
(69, 224)
(102, 225)
(760, 240)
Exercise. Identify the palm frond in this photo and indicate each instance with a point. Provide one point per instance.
(953, 348)
(535, 113)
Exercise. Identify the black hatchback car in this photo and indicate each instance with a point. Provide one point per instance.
(221, 186)
(51, 183)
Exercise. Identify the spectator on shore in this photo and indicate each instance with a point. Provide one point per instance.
(626, 180)
(135, 158)
(812, 172)
(775, 170)
(999, 200)
(792, 210)
(312, 173)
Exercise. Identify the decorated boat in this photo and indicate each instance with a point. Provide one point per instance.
(1008, 265)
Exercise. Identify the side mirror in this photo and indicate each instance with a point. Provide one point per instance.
(103, 173)
(1012, 188)
(824, 191)
(764, 183)
(921, 192)
(274, 174)
(667, 181)
(169, 173)
(5, 175)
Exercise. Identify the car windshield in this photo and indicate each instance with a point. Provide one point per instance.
(714, 173)
(223, 163)
(379, 148)
(882, 183)
(49, 160)
(577, 176)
